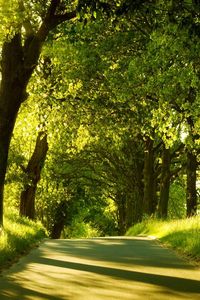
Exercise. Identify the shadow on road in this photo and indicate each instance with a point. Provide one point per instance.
(170, 282)
(105, 250)
(121, 250)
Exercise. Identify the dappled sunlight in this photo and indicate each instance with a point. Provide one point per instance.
(105, 268)
(117, 251)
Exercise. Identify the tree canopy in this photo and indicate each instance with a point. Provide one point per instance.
(106, 99)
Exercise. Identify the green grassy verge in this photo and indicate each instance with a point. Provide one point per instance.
(18, 237)
(182, 235)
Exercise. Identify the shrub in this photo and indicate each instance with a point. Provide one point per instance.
(19, 236)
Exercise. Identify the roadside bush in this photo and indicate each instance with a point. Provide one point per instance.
(182, 235)
(19, 236)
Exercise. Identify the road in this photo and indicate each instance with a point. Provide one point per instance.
(100, 268)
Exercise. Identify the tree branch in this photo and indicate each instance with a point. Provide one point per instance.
(58, 19)
(50, 21)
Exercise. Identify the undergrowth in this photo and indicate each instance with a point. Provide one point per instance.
(182, 235)
(19, 236)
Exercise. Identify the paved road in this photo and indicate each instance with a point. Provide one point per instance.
(102, 268)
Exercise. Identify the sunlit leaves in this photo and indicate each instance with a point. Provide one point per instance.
(82, 138)
(10, 18)
(165, 73)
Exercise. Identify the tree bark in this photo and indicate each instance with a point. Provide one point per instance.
(57, 229)
(135, 184)
(164, 184)
(135, 191)
(59, 219)
(33, 172)
(12, 93)
(191, 193)
(149, 178)
(191, 168)
(133, 207)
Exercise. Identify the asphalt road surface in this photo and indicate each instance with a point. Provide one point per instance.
(100, 268)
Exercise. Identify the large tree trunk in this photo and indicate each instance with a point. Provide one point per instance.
(133, 207)
(149, 179)
(12, 93)
(135, 192)
(164, 184)
(191, 193)
(33, 171)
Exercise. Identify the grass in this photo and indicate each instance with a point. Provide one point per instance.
(182, 235)
(18, 237)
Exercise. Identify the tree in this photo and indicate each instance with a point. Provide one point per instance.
(28, 25)
(20, 54)
(164, 184)
(150, 177)
(121, 138)
(32, 176)
(175, 100)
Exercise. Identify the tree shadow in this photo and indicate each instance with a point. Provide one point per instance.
(122, 252)
(15, 291)
(169, 282)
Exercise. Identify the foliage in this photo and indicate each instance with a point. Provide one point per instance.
(182, 235)
(120, 74)
(80, 229)
(177, 204)
(19, 236)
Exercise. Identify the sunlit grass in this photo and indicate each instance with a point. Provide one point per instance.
(19, 235)
(183, 235)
